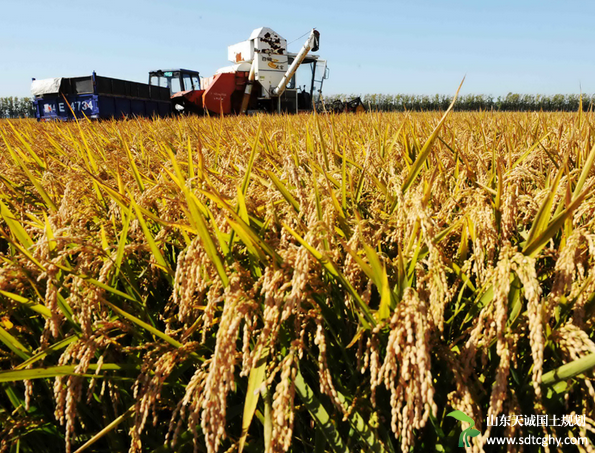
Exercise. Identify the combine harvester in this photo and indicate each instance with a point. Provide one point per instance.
(262, 79)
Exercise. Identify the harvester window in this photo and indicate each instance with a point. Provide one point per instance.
(174, 85)
(191, 82)
(159, 81)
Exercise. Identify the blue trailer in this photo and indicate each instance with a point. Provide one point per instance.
(97, 97)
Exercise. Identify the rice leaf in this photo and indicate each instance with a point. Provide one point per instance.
(191, 173)
(246, 238)
(135, 172)
(251, 160)
(246, 229)
(319, 414)
(149, 328)
(14, 345)
(425, 151)
(362, 428)
(588, 165)
(268, 419)
(242, 210)
(49, 233)
(54, 371)
(36, 183)
(149, 237)
(529, 151)
(44, 353)
(533, 247)
(286, 194)
(380, 279)
(110, 427)
(332, 269)
(15, 227)
(255, 380)
(38, 308)
(21, 249)
(205, 236)
(126, 215)
(543, 215)
(568, 371)
(322, 144)
(344, 180)
(360, 186)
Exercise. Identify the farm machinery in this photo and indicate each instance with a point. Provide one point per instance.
(262, 78)
(354, 105)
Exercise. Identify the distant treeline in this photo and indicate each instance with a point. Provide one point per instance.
(510, 102)
(14, 107)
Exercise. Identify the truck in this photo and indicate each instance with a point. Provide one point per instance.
(97, 97)
(262, 78)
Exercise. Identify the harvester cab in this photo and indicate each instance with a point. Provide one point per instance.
(318, 74)
(175, 79)
(184, 88)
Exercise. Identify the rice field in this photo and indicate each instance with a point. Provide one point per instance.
(312, 283)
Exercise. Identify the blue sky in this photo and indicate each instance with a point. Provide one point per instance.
(421, 47)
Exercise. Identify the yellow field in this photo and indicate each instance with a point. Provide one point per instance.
(295, 283)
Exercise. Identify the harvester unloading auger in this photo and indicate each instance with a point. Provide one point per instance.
(262, 78)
